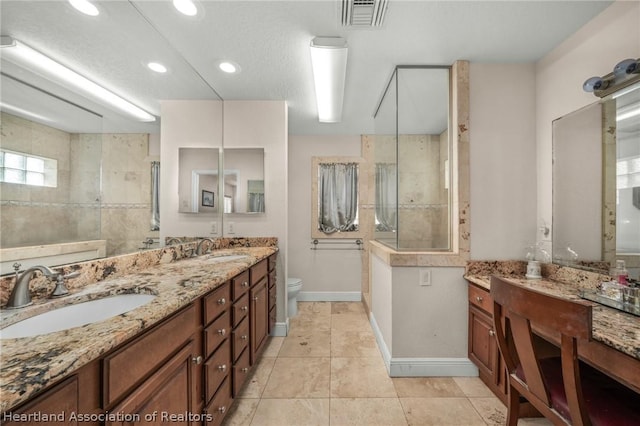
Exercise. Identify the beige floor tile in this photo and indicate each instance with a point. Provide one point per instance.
(534, 422)
(290, 412)
(352, 344)
(427, 387)
(347, 308)
(315, 309)
(350, 322)
(299, 378)
(306, 343)
(491, 409)
(360, 378)
(256, 383)
(473, 387)
(241, 412)
(273, 347)
(367, 412)
(440, 412)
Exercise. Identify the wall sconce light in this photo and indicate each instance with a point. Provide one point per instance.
(329, 63)
(625, 73)
(22, 55)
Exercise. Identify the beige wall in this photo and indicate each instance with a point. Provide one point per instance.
(593, 50)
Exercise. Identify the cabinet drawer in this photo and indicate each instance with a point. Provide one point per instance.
(219, 405)
(216, 333)
(258, 271)
(272, 296)
(216, 302)
(240, 285)
(272, 262)
(241, 370)
(240, 338)
(60, 399)
(480, 297)
(216, 369)
(136, 360)
(240, 309)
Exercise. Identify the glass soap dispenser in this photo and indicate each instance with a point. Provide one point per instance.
(619, 273)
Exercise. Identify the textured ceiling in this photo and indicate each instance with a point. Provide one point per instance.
(269, 40)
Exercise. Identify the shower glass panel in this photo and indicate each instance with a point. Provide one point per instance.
(412, 151)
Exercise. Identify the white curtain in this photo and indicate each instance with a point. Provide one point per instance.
(155, 195)
(338, 197)
(386, 197)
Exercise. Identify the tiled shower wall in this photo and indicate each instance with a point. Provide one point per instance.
(76, 210)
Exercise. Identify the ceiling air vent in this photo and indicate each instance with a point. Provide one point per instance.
(363, 13)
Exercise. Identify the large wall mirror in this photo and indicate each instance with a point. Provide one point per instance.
(104, 159)
(596, 184)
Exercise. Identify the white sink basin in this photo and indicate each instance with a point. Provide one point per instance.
(77, 315)
(226, 258)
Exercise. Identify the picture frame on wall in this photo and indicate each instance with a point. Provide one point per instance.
(207, 198)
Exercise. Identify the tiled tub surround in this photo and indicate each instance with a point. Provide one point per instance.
(610, 326)
(32, 363)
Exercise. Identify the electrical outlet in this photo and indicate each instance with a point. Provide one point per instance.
(214, 228)
(231, 228)
(425, 276)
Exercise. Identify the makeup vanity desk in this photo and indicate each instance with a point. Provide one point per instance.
(615, 345)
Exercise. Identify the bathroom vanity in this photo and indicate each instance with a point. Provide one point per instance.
(181, 358)
(615, 337)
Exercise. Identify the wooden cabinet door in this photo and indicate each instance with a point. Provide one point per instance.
(483, 349)
(164, 398)
(259, 317)
(59, 404)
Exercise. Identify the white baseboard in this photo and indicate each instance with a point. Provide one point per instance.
(281, 329)
(329, 296)
(422, 367)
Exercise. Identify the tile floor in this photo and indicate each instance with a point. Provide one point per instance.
(329, 371)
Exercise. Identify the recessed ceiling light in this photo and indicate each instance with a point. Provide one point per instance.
(228, 67)
(186, 7)
(85, 7)
(157, 67)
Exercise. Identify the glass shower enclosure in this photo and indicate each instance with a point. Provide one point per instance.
(412, 149)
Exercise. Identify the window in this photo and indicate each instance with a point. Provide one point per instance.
(27, 169)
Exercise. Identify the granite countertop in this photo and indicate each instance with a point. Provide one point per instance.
(612, 327)
(30, 364)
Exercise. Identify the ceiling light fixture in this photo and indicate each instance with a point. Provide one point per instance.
(228, 67)
(157, 67)
(186, 7)
(85, 7)
(329, 63)
(22, 55)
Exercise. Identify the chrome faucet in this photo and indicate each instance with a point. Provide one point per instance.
(20, 295)
(200, 244)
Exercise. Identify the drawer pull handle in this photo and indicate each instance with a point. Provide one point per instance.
(197, 360)
(244, 337)
(222, 409)
(222, 301)
(245, 284)
(245, 370)
(479, 298)
(256, 298)
(222, 367)
(244, 308)
(492, 333)
(222, 332)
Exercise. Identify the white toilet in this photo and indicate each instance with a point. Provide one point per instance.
(293, 287)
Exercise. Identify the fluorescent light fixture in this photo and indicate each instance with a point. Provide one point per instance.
(85, 7)
(329, 62)
(22, 55)
(23, 112)
(186, 7)
(157, 67)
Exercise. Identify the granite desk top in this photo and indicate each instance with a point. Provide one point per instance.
(30, 364)
(612, 327)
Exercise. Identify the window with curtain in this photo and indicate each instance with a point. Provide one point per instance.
(337, 197)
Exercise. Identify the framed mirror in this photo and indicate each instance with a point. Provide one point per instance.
(244, 189)
(596, 184)
(198, 185)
